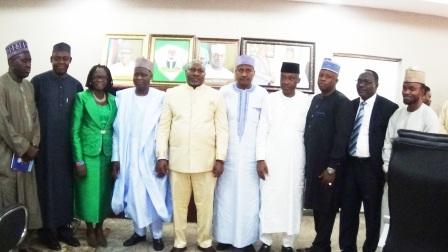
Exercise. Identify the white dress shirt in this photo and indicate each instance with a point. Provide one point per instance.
(362, 146)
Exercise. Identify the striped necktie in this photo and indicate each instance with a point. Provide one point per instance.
(356, 128)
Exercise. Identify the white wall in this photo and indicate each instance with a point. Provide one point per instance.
(417, 39)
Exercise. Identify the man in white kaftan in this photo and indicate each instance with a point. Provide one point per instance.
(415, 116)
(237, 201)
(281, 159)
(138, 191)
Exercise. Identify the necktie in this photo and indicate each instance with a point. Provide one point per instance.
(356, 128)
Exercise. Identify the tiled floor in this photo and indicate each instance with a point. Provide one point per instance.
(118, 230)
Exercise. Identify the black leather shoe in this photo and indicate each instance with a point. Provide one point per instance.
(174, 249)
(157, 244)
(223, 246)
(249, 248)
(65, 235)
(49, 239)
(208, 249)
(134, 239)
(264, 248)
(52, 244)
(304, 250)
(287, 249)
(69, 240)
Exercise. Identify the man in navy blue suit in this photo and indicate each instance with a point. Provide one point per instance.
(364, 177)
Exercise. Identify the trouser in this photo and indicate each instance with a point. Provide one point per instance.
(288, 240)
(362, 184)
(156, 229)
(203, 186)
(323, 224)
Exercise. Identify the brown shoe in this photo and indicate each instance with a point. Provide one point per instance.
(91, 238)
(174, 249)
(100, 239)
(208, 249)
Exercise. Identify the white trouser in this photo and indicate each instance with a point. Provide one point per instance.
(156, 230)
(288, 240)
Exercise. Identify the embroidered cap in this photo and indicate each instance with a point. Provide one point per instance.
(15, 48)
(331, 66)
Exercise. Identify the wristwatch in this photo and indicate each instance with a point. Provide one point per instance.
(331, 170)
(79, 163)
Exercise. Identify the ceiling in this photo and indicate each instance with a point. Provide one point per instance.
(428, 7)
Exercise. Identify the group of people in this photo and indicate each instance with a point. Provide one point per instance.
(251, 160)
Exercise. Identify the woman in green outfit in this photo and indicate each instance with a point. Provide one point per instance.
(94, 112)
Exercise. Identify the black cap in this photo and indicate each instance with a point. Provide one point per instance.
(290, 67)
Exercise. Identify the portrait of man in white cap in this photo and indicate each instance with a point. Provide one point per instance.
(121, 56)
(216, 68)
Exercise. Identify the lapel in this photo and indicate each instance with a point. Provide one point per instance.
(112, 108)
(355, 108)
(92, 108)
(375, 113)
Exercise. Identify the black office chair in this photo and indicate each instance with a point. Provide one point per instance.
(418, 193)
(13, 226)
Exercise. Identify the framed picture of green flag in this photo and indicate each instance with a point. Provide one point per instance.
(170, 53)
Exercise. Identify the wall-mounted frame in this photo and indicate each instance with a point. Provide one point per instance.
(219, 57)
(269, 55)
(120, 52)
(170, 53)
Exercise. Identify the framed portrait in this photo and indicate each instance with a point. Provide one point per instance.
(169, 54)
(219, 57)
(120, 54)
(269, 55)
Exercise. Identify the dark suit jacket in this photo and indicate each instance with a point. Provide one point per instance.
(381, 112)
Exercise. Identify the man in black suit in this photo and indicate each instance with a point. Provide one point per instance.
(364, 178)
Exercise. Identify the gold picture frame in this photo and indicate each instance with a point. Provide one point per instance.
(120, 53)
(169, 54)
(219, 57)
(269, 54)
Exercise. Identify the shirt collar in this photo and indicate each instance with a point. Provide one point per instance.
(58, 76)
(369, 101)
(192, 88)
(235, 87)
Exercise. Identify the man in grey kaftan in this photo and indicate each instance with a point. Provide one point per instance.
(19, 133)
